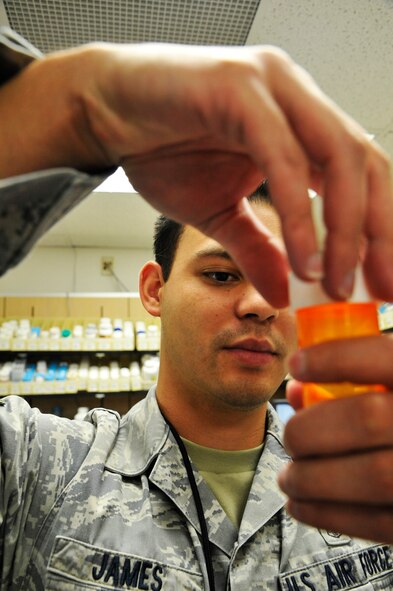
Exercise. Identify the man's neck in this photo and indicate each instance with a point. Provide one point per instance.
(214, 426)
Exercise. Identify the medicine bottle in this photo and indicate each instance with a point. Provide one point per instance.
(321, 319)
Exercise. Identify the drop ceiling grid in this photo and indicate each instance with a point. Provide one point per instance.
(54, 24)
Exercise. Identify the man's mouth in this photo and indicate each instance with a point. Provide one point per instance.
(252, 352)
(255, 345)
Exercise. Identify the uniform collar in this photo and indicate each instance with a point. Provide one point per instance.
(266, 499)
(143, 433)
(141, 437)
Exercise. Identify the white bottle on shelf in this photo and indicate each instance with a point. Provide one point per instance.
(114, 376)
(5, 371)
(135, 377)
(141, 337)
(128, 336)
(72, 378)
(153, 337)
(149, 371)
(105, 328)
(83, 374)
(93, 377)
(124, 382)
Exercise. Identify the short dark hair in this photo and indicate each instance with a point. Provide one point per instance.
(167, 232)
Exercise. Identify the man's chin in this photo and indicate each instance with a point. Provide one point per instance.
(244, 400)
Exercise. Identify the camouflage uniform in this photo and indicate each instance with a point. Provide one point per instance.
(105, 504)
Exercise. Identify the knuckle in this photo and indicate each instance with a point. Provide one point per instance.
(233, 74)
(375, 416)
(231, 68)
(290, 441)
(298, 485)
(381, 526)
(389, 345)
(385, 365)
(382, 160)
(276, 56)
(381, 469)
(357, 147)
(273, 59)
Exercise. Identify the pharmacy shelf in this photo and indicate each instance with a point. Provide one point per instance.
(63, 383)
(58, 347)
(58, 329)
(88, 393)
(76, 353)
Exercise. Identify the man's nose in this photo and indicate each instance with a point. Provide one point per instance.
(251, 304)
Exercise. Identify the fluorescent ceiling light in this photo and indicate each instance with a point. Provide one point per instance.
(116, 183)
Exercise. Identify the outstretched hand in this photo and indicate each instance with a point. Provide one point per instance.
(198, 128)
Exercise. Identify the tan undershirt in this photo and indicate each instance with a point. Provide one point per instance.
(229, 474)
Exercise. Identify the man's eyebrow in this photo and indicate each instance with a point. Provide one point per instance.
(214, 251)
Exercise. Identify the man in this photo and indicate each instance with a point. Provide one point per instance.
(117, 504)
(224, 352)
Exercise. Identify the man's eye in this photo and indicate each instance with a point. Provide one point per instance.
(221, 276)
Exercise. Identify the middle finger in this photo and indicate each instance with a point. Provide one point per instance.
(342, 479)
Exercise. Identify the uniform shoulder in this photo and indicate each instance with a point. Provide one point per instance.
(17, 416)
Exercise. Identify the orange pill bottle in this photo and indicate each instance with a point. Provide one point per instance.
(321, 319)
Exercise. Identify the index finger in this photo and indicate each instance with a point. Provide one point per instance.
(251, 244)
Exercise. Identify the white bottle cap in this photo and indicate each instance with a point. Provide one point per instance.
(303, 294)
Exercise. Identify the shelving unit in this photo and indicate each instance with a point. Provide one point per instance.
(65, 395)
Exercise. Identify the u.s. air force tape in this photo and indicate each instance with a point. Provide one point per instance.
(343, 573)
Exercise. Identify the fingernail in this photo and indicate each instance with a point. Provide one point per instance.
(314, 266)
(298, 365)
(346, 287)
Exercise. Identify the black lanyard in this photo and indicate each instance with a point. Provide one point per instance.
(198, 506)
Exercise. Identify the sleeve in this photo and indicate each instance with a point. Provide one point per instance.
(39, 456)
(30, 204)
(20, 452)
(15, 54)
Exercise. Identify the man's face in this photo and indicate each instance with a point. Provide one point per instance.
(220, 339)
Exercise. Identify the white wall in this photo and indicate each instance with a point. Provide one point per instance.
(60, 269)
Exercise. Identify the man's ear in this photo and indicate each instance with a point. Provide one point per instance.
(150, 283)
